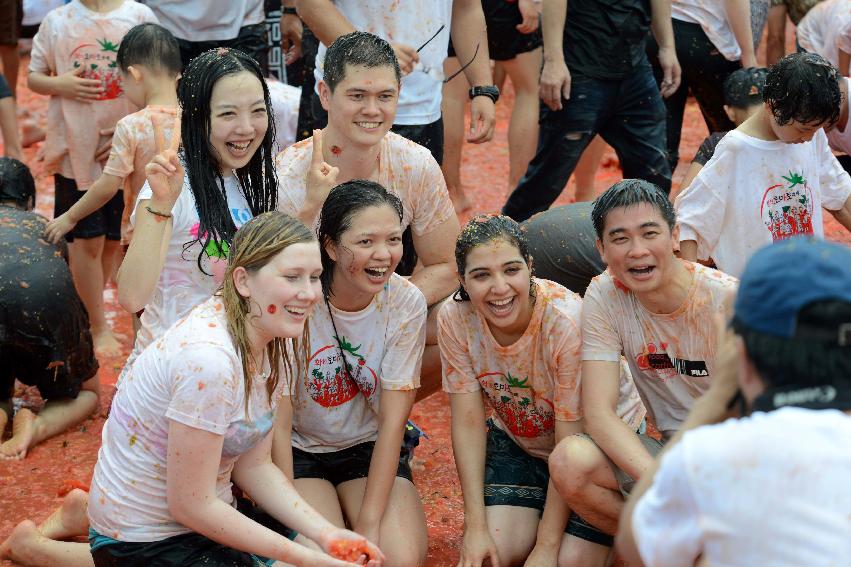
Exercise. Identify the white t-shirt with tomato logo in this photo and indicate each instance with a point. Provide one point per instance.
(383, 344)
(533, 382)
(753, 192)
(671, 356)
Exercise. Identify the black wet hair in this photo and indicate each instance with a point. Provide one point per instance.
(257, 179)
(484, 229)
(150, 45)
(360, 49)
(743, 88)
(803, 87)
(627, 193)
(16, 183)
(801, 361)
(343, 203)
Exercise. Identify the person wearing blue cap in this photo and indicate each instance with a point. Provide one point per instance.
(768, 486)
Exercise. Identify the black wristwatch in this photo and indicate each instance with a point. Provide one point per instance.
(490, 91)
(288, 11)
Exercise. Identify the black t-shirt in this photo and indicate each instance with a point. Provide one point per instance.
(5, 91)
(604, 39)
(707, 148)
(39, 306)
(562, 244)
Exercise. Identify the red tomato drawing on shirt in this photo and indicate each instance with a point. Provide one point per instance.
(98, 62)
(787, 210)
(522, 414)
(329, 385)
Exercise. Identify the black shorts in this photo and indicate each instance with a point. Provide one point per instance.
(513, 477)
(186, 549)
(338, 467)
(504, 41)
(56, 377)
(10, 23)
(105, 221)
(251, 41)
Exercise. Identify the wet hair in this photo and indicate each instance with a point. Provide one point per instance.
(484, 229)
(743, 88)
(627, 193)
(16, 183)
(150, 45)
(257, 179)
(360, 49)
(800, 361)
(255, 245)
(343, 203)
(803, 87)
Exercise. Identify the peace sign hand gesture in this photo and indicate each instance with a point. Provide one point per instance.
(165, 172)
(321, 177)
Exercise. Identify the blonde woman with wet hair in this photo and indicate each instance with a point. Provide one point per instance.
(195, 413)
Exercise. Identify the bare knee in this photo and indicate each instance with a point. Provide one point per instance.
(581, 553)
(572, 463)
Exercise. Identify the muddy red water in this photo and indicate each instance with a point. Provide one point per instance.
(30, 489)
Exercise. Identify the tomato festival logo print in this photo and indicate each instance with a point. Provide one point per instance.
(787, 210)
(98, 62)
(330, 385)
(517, 409)
(666, 366)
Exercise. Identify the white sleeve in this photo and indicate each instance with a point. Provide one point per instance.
(700, 208)
(665, 521)
(834, 181)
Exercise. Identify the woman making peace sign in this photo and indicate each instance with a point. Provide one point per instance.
(195, 199)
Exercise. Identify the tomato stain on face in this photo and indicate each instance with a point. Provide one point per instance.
(272, 309)
(336, 150)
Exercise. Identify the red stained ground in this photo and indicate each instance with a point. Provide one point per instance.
(30, 488)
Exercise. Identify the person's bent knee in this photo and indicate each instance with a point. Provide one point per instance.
(572, 463)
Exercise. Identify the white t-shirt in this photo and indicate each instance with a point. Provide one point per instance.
(202, 20)
(753, 192)
(534, 381)
(285, 100)
(671, 356)
(405, 169)
(840, 140)
(36, 10)
(712, 17)
(191, 375)
(182, 285)
(826, 29)
(410, 23)
(383, 344)
(770, 489)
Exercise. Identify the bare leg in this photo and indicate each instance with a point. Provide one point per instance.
(322, 496)
(111, 260)
(577, 552)
(586, 170)
(454, 102)
(9, 129)
(524, 71)
(27, 546)
(514, 530)
(86, 255)
(70, 519)
(28, 429)
(403, 533)
(5, 412)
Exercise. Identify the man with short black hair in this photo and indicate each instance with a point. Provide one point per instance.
(767, 488)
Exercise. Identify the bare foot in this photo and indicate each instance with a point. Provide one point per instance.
(461, 202)
(19, 542)
(69, 520)
(31, 133)
(23, 428)
(106, 345)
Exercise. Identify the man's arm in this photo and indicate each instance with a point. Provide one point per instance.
(775, 40)
(663, 31)
(468, 21)
(555, 77)
(438, 277)
(739, 19)
(600, 390)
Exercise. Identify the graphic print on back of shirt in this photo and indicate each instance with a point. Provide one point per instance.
(328, 382)
(98, 62)
(518, 410)
(787, 208)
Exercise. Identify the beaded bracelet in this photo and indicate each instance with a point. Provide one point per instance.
(157, 213)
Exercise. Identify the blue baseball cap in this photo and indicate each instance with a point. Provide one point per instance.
(783, 278)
